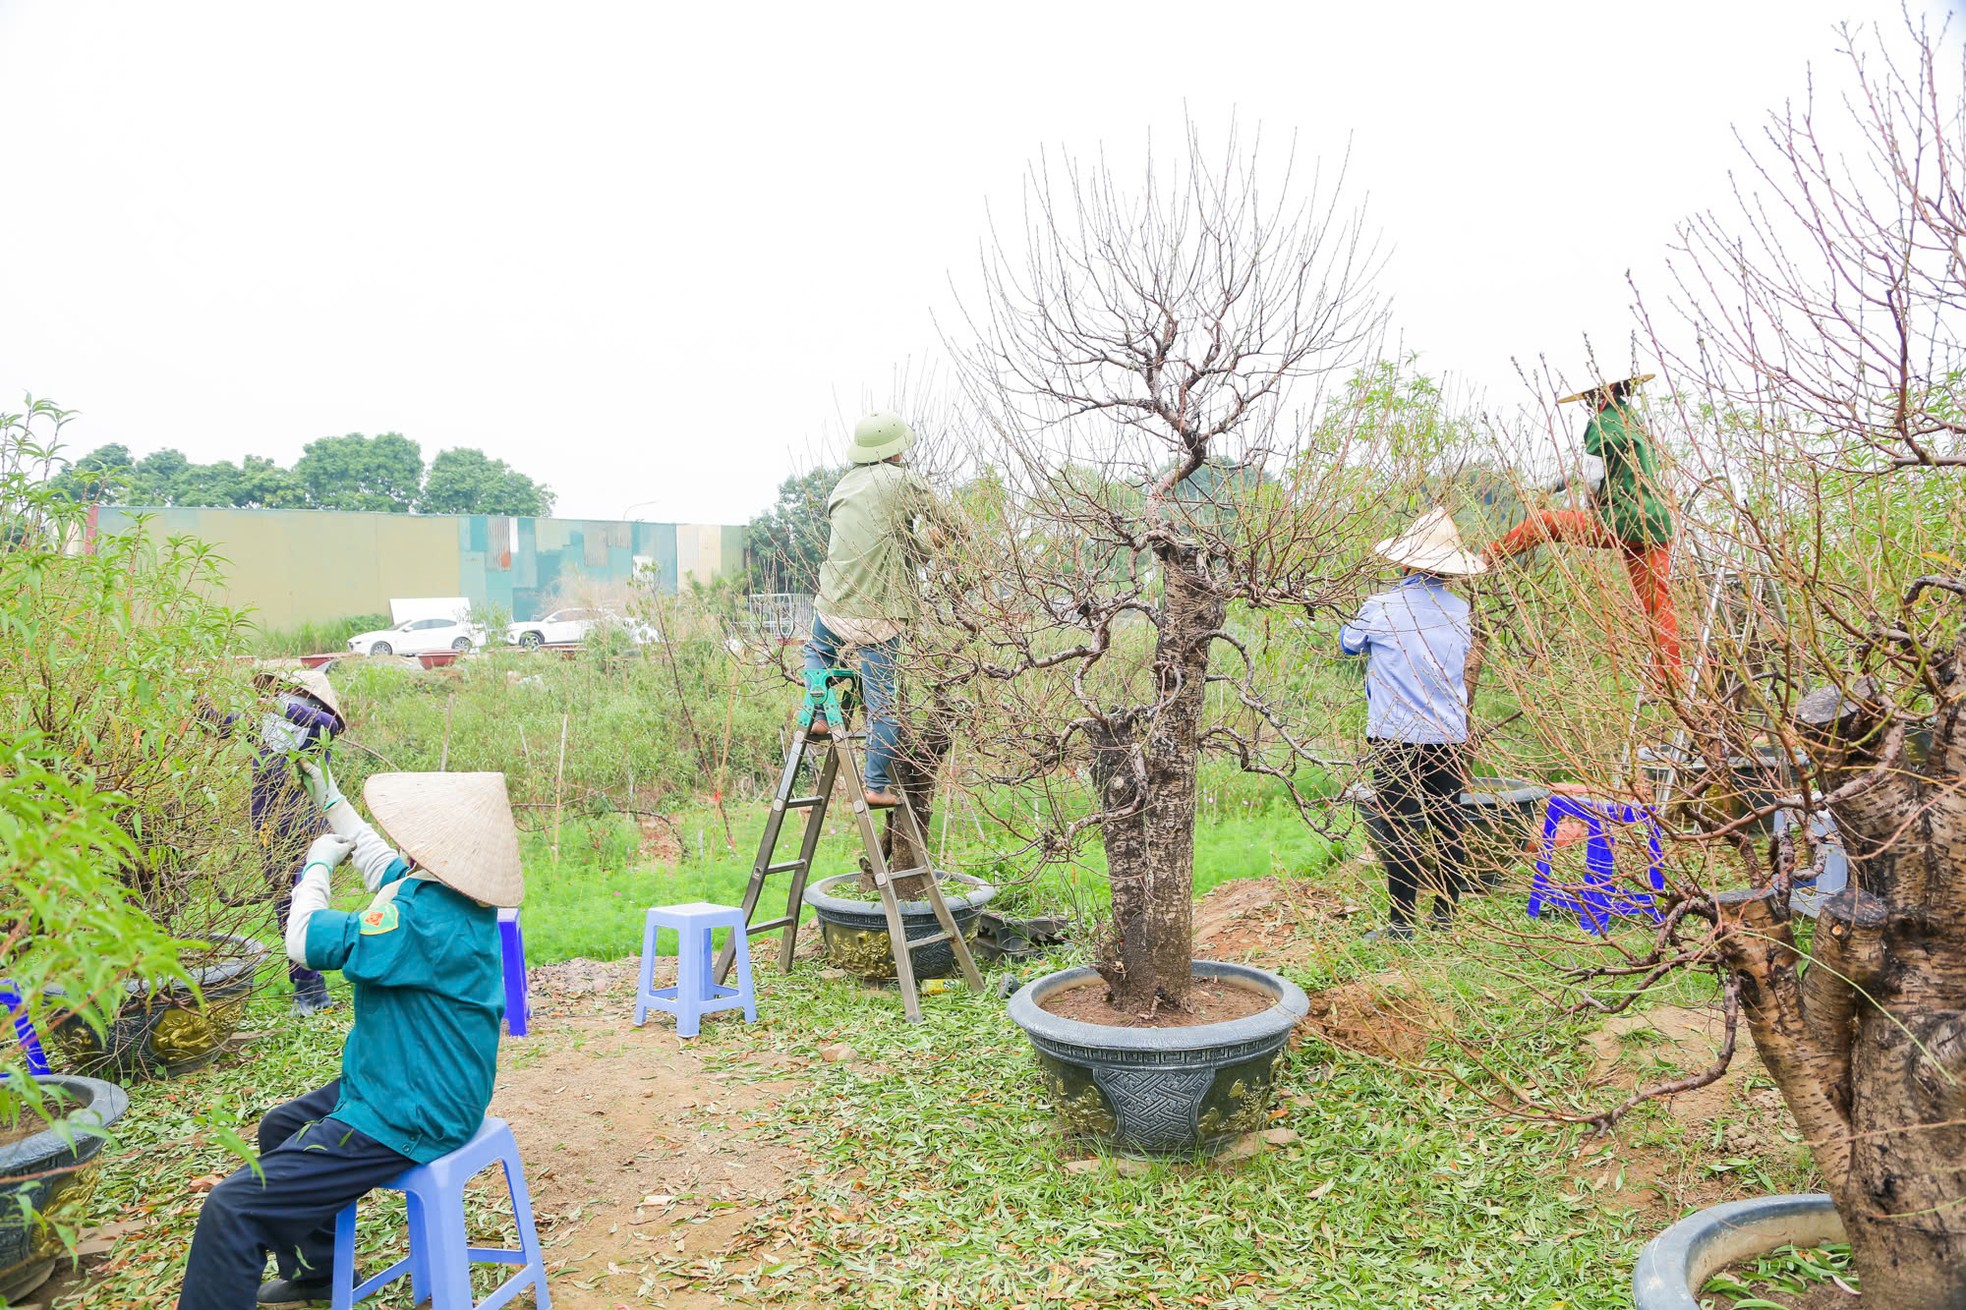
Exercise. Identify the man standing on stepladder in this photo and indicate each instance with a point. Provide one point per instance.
(883, 518)
(1628, 514)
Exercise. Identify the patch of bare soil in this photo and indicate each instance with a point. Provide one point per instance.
(1206, 1002)
(1723, 1120)
(1257, 920)
(646, 1171)
(1375, 1016)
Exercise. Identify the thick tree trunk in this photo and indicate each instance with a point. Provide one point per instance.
(1869, 1049)
(1150, 853)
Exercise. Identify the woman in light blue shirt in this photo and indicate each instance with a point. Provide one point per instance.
(1415, 639)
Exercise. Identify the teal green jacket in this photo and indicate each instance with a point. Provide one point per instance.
(1631, 502)
(423, 961)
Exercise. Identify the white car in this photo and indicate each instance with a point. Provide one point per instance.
(419, 637)
(570, 626)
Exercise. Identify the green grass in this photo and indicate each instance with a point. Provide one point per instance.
(315, 638)
(940, 1178)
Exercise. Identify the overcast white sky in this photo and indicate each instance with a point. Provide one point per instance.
(656, 253)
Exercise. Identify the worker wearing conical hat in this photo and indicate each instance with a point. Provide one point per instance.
(1415, 639)
(424, 965)
(1628, 511)
(302, 716)
(882, 520)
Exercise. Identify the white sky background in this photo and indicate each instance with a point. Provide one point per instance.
(659, 255)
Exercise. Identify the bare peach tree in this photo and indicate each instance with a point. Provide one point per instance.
(1821, 415)
(1139, 516)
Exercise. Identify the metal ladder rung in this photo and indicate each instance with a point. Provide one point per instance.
(788, 866)
(769, 925)
(916, 943)
(804, 802)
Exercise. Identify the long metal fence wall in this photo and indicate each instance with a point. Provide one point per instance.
(292, 566)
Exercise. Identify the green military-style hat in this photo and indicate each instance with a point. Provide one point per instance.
(881, 435)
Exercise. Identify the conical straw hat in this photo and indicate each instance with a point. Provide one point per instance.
(456, 826)
(1432, 545)
(1618, 388)
(312, 681)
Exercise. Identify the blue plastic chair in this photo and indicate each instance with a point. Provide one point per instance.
(512, 947)
(1598, 898)
(440, 1258)
(30, 1042)
(695, 994)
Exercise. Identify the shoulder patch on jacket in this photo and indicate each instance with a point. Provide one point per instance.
(378, 919)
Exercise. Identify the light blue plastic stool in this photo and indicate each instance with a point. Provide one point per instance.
(694, 994)
(440, 1258)
(1598, 897)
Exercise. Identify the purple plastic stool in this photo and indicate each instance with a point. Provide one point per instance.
(441, 1255)
(1598, 898)
(30, 1042)
(512, 946)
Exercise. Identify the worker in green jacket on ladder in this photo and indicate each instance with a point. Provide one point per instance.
(883, 519)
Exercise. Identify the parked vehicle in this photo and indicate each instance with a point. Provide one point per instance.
(570, 626)
(419, 637)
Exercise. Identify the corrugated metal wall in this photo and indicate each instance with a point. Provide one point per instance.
(295, 566)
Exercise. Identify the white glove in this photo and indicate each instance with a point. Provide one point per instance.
(327, 852)
(373, 855)
(311, 891)
(319, 781)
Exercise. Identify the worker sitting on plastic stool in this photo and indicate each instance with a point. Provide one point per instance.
(417, 1069)
(1415, 638)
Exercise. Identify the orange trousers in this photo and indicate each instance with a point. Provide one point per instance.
(1648, 567)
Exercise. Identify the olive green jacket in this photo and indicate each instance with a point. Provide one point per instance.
(880, 515)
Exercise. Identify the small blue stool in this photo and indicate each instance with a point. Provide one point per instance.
(512, 947)
(694, 994)
(440, 1258)
(1598, 897)
(30, 1042)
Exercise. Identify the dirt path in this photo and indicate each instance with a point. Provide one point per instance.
(646, 1170)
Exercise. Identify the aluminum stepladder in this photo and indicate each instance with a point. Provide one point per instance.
(828, 760)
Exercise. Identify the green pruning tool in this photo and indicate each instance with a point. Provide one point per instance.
(823, 694)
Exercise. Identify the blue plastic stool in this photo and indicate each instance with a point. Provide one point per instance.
(30, 1042)
(440, 1258)
(512, 947)
(694, 995)
(1598, 897)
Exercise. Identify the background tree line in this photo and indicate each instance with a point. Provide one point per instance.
(383, 473)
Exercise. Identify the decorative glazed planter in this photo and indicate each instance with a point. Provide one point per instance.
(1675, 1265)
(167, 1031)
(54, 1171)
(855, 931)
(999, 937)
(1161, 1091)
(1500, 818)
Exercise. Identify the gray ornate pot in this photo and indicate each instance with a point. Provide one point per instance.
(1675, 1265)
(1500, 816)
(855, 931)
(1161, 1091)
(54, 1171)
(164, 1030)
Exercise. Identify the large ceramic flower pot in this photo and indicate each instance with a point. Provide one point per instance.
(165, 1030)
(1676, 1264)
(1500, 817)
(1161, 1091)
(855, 930)
(54, 1171)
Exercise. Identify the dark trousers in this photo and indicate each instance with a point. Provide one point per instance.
(310, 1167)
(1416, 790)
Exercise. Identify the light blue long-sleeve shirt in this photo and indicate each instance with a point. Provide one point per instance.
(1415, 638)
